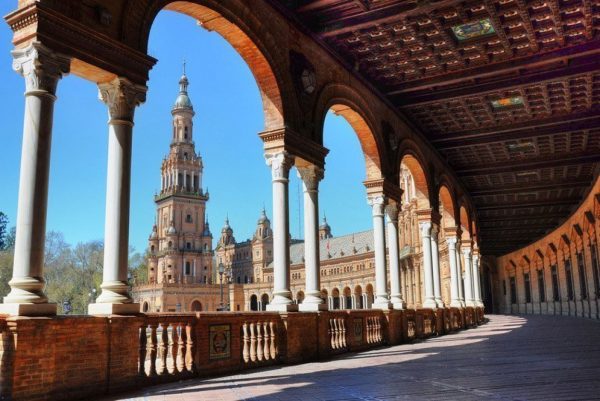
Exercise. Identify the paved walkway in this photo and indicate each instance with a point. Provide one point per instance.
(509, 358)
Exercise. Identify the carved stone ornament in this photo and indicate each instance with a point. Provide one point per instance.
(41, 67)
(280, 165)
(122, 97)
(311, 176)
(377, 202)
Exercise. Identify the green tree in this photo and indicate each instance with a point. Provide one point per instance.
(3, 224)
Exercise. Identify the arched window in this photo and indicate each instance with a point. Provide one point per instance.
(185, 135)
(152, 249)
(145, 307)
(188, 245)
(239, 280)
(170, 244)
(205, 246)
(188, 268)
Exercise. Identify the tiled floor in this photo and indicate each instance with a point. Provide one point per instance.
(509, 358)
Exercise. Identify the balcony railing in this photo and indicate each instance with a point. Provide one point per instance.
(86, 356)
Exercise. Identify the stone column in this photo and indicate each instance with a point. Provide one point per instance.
(468, 276)
(121, 97)
(454, 275)
(377, 203)
(311, 175)
(391, 211)
(281, 163)
(41, 69)
(476, 280)
(429, 301)
(459, 270)
(435, 264)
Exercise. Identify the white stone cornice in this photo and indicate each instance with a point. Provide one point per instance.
(280, 164)
(311, 176)
(122, 97)
(41, 68)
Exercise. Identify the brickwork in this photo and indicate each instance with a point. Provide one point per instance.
(77, 357)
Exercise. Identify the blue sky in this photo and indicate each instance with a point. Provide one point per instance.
(228, 118)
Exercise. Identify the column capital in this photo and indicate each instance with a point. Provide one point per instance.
(385, 187)
(122, 97)
(435, 230)
(451, 241)
(41, 67)
(311, 175)
(466, 251)
(425, 227)
(280, 163)
(378, 203)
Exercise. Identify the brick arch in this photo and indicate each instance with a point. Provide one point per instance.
(465, 222)
(413, 162)
(447, 200)
(344, 101)
(243, 30)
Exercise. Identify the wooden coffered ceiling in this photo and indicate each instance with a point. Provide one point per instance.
(527, 165)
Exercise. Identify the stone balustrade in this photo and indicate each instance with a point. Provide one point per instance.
(75, 357)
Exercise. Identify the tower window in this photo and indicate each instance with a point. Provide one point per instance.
(188, 245)
(188, 218)
(188, 268)
(185, 134)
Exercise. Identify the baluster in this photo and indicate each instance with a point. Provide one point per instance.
(266, 338)
(332, 333)
(142, 350)
(246, 340)
(369, 329)
(161, 363)
(171, 367)
(252, 343)
(153, 350)
(180, 348)
(336, 331)
(189, 352)
(273, 340)
(259, 343)
(343, 332)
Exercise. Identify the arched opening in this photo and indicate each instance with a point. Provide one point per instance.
(145, 307)
(414, 182)
(348, 298)
(369, 296)
(196, 306)
(299, 297)
(253, 302)
(264, 301)
(358, 296)
(335, 296)
(447, 210)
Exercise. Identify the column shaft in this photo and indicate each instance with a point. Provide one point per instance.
(382, 300)
(282, 296)
(435, 259)
(429, 301)
(310, 182)
(476, 281)
(41, 69)
(394, 257)
(121, 97)
(454, 276)
(468, 277)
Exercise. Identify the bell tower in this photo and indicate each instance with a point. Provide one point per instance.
(181, 242)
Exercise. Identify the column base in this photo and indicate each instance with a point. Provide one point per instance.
(471, 304)
(440, 304)
(310, 307)
(385, 305)
(113, 309)
(399, 305)
(282, 308)
(456, 304)
(429, 304)
(45, 309)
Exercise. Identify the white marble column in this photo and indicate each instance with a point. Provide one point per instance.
(476, 280)
(122, 97)
(391, 212)
(282, 296)
(435, 265)
(454, 274)
(468, 276)
(461, 287)
(193, 177)
(429, 301)
(41, 69)
(185, 180)
(311, 175)
(382, 300)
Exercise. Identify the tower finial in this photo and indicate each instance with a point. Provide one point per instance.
(183, 66)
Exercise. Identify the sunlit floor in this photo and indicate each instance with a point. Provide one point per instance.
(509, 358)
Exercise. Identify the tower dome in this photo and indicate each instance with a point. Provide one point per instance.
(263, 217)
(183, 101)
